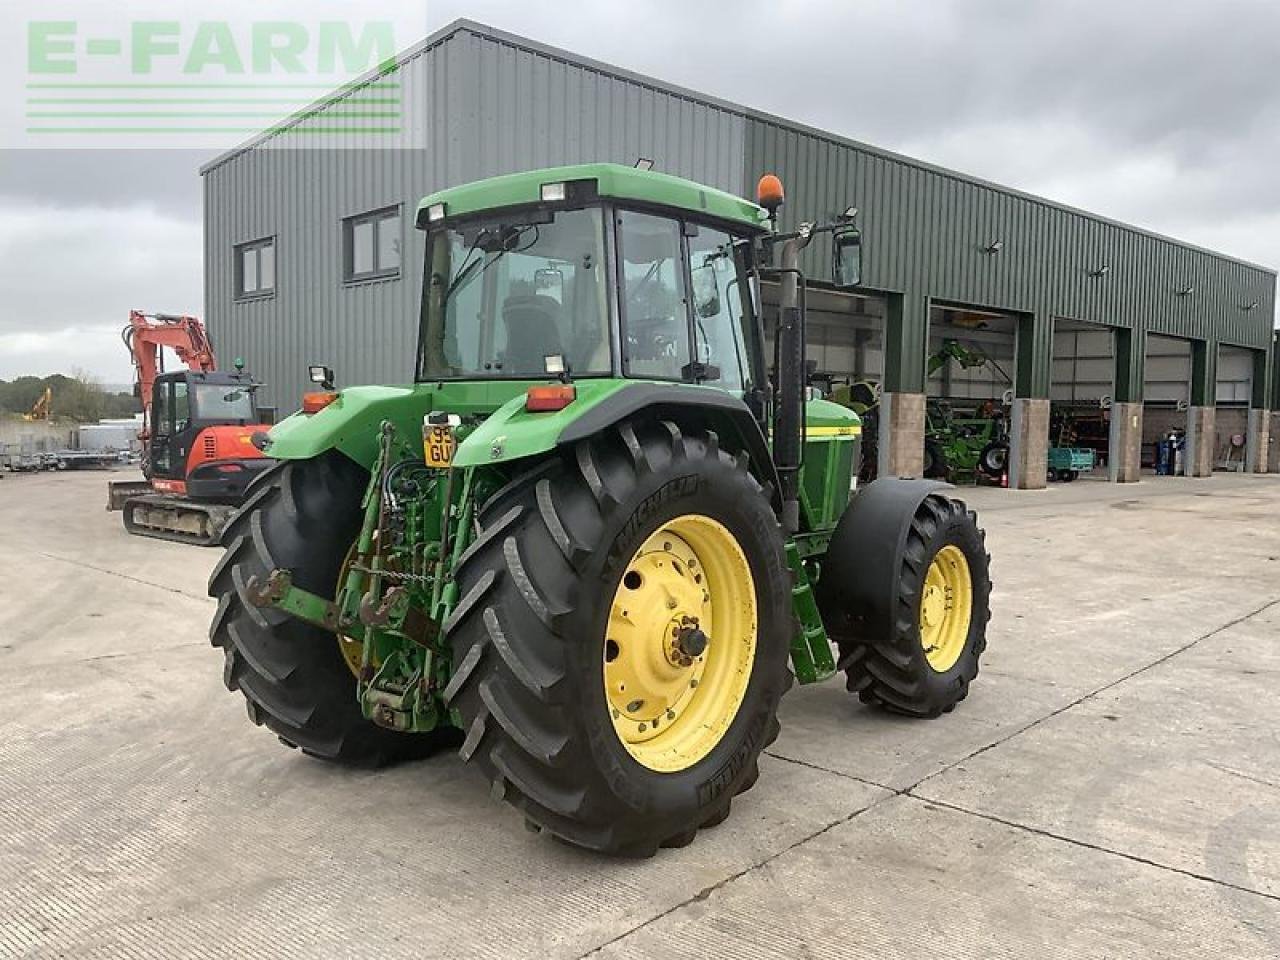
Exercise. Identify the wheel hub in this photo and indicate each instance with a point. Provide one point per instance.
(946, 608)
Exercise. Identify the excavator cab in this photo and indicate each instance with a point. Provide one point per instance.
(202, 427)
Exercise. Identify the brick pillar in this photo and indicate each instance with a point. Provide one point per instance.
(1029, 443)
(1259, 442)
(1124, 452)
(1200, 441)
(901, 435)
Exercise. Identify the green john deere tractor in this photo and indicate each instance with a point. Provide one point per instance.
(595, 539)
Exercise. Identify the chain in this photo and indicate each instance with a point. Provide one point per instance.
(393, 575)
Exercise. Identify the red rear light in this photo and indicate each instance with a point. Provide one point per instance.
(546, 399)
(315, 402)
(229, 468)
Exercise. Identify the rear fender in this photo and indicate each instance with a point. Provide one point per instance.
(351, 424)
(512, 433)
(691, 408)
(857, 589)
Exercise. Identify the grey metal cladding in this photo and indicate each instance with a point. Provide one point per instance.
(926, 228)
(480, 102)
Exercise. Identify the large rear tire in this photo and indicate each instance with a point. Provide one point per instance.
(302, 516)
(539, 636)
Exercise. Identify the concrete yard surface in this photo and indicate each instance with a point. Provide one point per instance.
(1110, 788)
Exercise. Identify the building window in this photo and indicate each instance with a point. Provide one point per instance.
(371, 245)
(256, 269)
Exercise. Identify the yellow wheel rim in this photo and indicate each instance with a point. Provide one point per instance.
(680, 643)
(946, 608)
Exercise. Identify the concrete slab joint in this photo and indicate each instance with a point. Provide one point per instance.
(901, 446)
(1029, 443)
(1124, 454)
(1200, 441)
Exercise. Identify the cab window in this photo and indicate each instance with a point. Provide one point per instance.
(718, 308)
(655, 312)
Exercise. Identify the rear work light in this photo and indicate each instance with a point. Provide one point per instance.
(549, 398)
(315, 402)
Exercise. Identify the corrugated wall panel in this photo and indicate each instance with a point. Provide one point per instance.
(924, 230)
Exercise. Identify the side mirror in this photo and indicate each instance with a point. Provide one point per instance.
(550, 283)
(846, 257)
(706, 293)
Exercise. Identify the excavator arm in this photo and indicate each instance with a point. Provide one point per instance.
(146, 334)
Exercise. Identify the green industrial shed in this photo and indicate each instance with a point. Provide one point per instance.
(942, 251)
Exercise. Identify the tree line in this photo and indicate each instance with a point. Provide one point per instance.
(80, 397)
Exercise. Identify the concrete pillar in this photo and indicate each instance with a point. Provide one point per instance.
(1257, 445)
(1029, 443)
(1273, 449)
(901, 449)
(1124, 450)
(1200, 441)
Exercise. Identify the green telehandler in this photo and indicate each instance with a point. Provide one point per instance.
(599, 535)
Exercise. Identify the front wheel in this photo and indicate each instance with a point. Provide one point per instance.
(621, 643)
(919, 657)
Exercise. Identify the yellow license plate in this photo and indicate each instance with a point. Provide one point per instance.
(438, 445)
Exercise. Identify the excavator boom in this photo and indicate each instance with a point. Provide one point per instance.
(147, 334)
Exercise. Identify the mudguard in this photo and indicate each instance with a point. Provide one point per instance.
(691, 407)
(859, 579)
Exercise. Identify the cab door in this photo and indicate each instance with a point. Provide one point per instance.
(170, 429)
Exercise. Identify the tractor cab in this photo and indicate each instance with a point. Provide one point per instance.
(586, 282)
(201, 434)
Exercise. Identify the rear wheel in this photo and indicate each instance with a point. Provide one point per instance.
(302, 516)
(621, 643)
(935, 462)
(937, 626)
(994, 459)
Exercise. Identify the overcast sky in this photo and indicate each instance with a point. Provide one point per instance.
(1165, 115)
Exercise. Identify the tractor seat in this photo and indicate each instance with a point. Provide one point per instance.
(533, 332)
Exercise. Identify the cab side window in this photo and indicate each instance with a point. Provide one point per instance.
(655, 311)
(181, 406)
(718, 314)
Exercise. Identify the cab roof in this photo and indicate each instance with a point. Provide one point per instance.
(613, 181)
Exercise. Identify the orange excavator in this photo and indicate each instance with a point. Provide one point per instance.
(198, 434)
